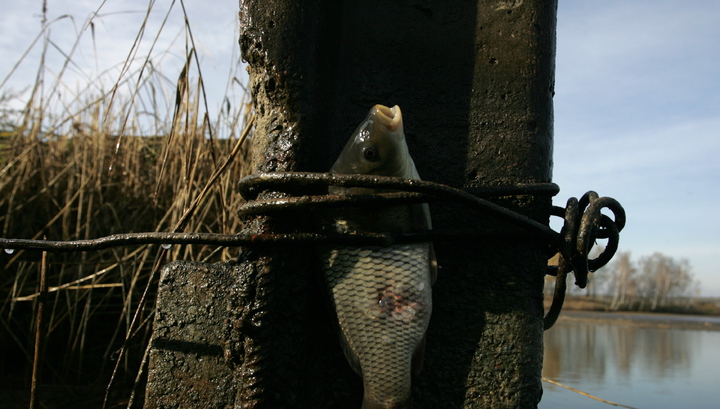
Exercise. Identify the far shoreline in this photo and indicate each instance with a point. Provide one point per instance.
(642, 319)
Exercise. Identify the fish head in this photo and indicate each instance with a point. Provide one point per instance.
(377, 147)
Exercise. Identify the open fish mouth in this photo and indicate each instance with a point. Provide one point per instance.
(390, 118)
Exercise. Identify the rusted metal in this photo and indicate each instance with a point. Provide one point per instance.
(429, 191)
(583, 220)
(125, 239)
(584, 223)
(290, 182)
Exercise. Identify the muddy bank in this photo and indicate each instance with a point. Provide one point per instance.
(676, 321)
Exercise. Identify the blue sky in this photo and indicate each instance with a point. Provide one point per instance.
(637, 104)
(637, 118)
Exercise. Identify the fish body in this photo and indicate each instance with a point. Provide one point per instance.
(382, 295)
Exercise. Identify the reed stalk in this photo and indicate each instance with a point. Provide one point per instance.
(141, 155)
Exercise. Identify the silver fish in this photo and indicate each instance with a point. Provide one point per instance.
(382, 295)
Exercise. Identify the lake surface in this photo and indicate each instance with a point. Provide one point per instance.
(645, 368)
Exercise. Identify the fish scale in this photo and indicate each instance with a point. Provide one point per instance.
(382, 297)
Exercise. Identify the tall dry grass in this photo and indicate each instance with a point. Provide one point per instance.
(96, 163)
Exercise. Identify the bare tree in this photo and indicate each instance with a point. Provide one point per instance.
(664, 277)
(622, 282)
(654, 281)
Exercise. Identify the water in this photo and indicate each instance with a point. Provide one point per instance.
(663, 367)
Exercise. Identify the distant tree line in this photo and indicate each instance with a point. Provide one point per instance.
(649, 284)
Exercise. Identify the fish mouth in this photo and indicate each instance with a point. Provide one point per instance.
(390, 118)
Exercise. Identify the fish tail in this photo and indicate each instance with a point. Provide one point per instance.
(368, 404)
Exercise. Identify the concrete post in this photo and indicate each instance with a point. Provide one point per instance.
(475, 82)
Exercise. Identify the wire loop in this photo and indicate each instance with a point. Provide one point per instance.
(584, 223)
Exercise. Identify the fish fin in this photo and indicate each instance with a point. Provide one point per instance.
(367, 404)
(421, 216)
(421, 219)
(418, 357)
(350, 355)
(433, 265)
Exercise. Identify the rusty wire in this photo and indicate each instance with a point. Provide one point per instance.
(584, 223)
(583, 220)
(407, 191)
(166, 239)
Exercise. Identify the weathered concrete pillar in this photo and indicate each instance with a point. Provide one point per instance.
(475, 81)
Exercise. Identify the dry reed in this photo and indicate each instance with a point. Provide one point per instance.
(89, 169)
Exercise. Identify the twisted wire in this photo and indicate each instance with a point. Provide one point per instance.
(584, 221)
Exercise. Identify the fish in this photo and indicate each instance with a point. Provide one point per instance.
(382, 296)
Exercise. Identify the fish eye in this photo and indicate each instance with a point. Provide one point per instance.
(370, 154)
